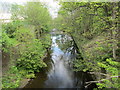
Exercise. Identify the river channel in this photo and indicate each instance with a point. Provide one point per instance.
(59, 73)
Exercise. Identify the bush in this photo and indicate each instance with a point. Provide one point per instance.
(12, 78)
(31, 57)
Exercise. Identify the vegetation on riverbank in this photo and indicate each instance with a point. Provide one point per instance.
(94, 28)
(26, 39)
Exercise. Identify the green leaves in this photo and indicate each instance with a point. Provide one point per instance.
(26, 47)
(112, 70)
(46, 40)
(27, 52)
(100, 85)
(31, 57)
(7, 42)
(12, 80)
(110, 61)
(102, 65)
(37, 13)
(93, 25)
(30, 76)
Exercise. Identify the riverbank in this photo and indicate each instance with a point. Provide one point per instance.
(16, 76)
(25, 81)
(23, 59)
(97, 60)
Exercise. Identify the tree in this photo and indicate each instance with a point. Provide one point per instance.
(37, 14)
(94, 28)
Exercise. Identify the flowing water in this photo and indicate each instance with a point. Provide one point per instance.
(59, 73)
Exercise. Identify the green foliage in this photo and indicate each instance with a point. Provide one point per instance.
(7, 42)
(19, 36)
(24, 35)
(12, 78)
(30, 76)
(16, 11)
(10, 28)
(110, 66)
(31, 57)
(111, 62)
(93, 25)
(37, 13)
(46, 40)
(26, 38)
(79, 65)
(8, 35)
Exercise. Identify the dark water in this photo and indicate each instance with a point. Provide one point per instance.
(59, 73)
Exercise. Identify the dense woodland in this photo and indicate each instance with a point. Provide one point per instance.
(93, 26)
(26, 39)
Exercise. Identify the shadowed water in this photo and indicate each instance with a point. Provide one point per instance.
(60, 75)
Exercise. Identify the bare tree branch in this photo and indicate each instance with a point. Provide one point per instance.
(99, 73)
(102, 80)
(90, 82)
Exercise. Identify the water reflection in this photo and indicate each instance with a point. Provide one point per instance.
(60, 76)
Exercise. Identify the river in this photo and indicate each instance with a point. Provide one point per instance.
(59, 73)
